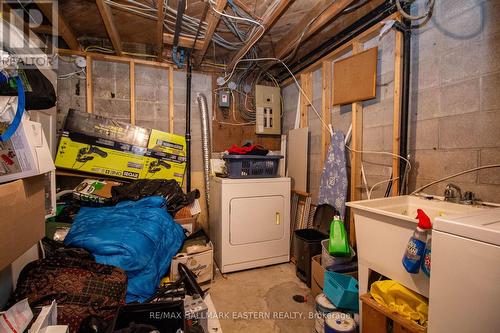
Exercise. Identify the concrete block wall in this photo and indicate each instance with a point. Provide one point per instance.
(454, 103)
(112, 99)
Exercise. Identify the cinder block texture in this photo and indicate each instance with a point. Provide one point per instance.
(454, 102)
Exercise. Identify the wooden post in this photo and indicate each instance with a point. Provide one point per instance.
(171, 99)
(356, 144)
(398, 72)
(89, 84)
(306, 83)
(326, 103)
(132, 92)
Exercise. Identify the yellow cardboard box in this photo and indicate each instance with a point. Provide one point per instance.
(102, 160)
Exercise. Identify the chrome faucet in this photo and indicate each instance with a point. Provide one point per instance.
(452, 193)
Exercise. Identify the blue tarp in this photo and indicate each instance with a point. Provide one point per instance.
(139, 237)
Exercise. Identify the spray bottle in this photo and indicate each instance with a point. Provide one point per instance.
(416, 245)
(426, 261)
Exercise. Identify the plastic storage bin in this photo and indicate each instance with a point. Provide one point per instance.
(342, 290)
(327, 260)
(306, 244)
(252, 166)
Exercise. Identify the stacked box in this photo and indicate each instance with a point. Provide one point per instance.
(108, 147)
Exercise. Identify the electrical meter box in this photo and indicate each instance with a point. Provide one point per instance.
(224, 99)
(268, 110)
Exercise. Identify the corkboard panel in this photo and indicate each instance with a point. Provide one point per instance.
(355, 77)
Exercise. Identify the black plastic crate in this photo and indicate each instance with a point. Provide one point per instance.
(252, 166)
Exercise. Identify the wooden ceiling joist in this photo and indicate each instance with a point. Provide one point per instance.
(213, 21)
(109, 23)
(183, 41)
(268, 19)
(322, 13)
(246, 9)
(159, 29)
(45, 29)
(62, 27)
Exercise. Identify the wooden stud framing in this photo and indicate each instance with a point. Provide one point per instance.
(114, 58)
(183, 41)
(132, 92)
(325, 106)
(268, 20)
(326, 11)
(398, 69)
(90, 57)
(213, 21)
(171, 99)
(62, 27)
(159, 29)
(109, 23)
(306, 83)
(89, 85)
(356, 144)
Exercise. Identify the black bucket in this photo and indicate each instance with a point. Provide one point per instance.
(306, 244)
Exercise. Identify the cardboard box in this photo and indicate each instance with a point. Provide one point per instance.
(201, 264)
(25, 154)
(22, 203)
(188, 223)
(106, 128)
(113, 148)
(94, 192)
(116, 160)
(318, 275)
(186, 219)
(106, 132)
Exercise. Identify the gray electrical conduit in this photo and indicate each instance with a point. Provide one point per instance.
(206, 144)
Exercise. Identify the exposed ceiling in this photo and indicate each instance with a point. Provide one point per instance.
(289, 29)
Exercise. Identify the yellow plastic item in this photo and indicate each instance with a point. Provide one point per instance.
(401, 300)
(165, 281)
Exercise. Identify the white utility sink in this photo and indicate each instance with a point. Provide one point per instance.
(383, 228)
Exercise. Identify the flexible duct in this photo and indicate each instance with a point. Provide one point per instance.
(205, 141)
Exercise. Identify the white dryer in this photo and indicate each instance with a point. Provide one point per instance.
(250, 222)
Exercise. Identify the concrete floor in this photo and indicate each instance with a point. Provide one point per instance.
(260, 300)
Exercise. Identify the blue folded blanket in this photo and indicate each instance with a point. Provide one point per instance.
(139, 237)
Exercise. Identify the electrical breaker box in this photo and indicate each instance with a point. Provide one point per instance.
(268, 110)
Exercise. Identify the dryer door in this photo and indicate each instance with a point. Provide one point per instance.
(256, 219)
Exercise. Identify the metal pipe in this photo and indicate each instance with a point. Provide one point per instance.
(405, 102)
(188, 123)
(206, 144)
(178, 22)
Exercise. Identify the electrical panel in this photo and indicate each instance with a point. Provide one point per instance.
(268, 110)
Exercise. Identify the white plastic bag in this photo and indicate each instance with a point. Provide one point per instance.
(17, 318)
